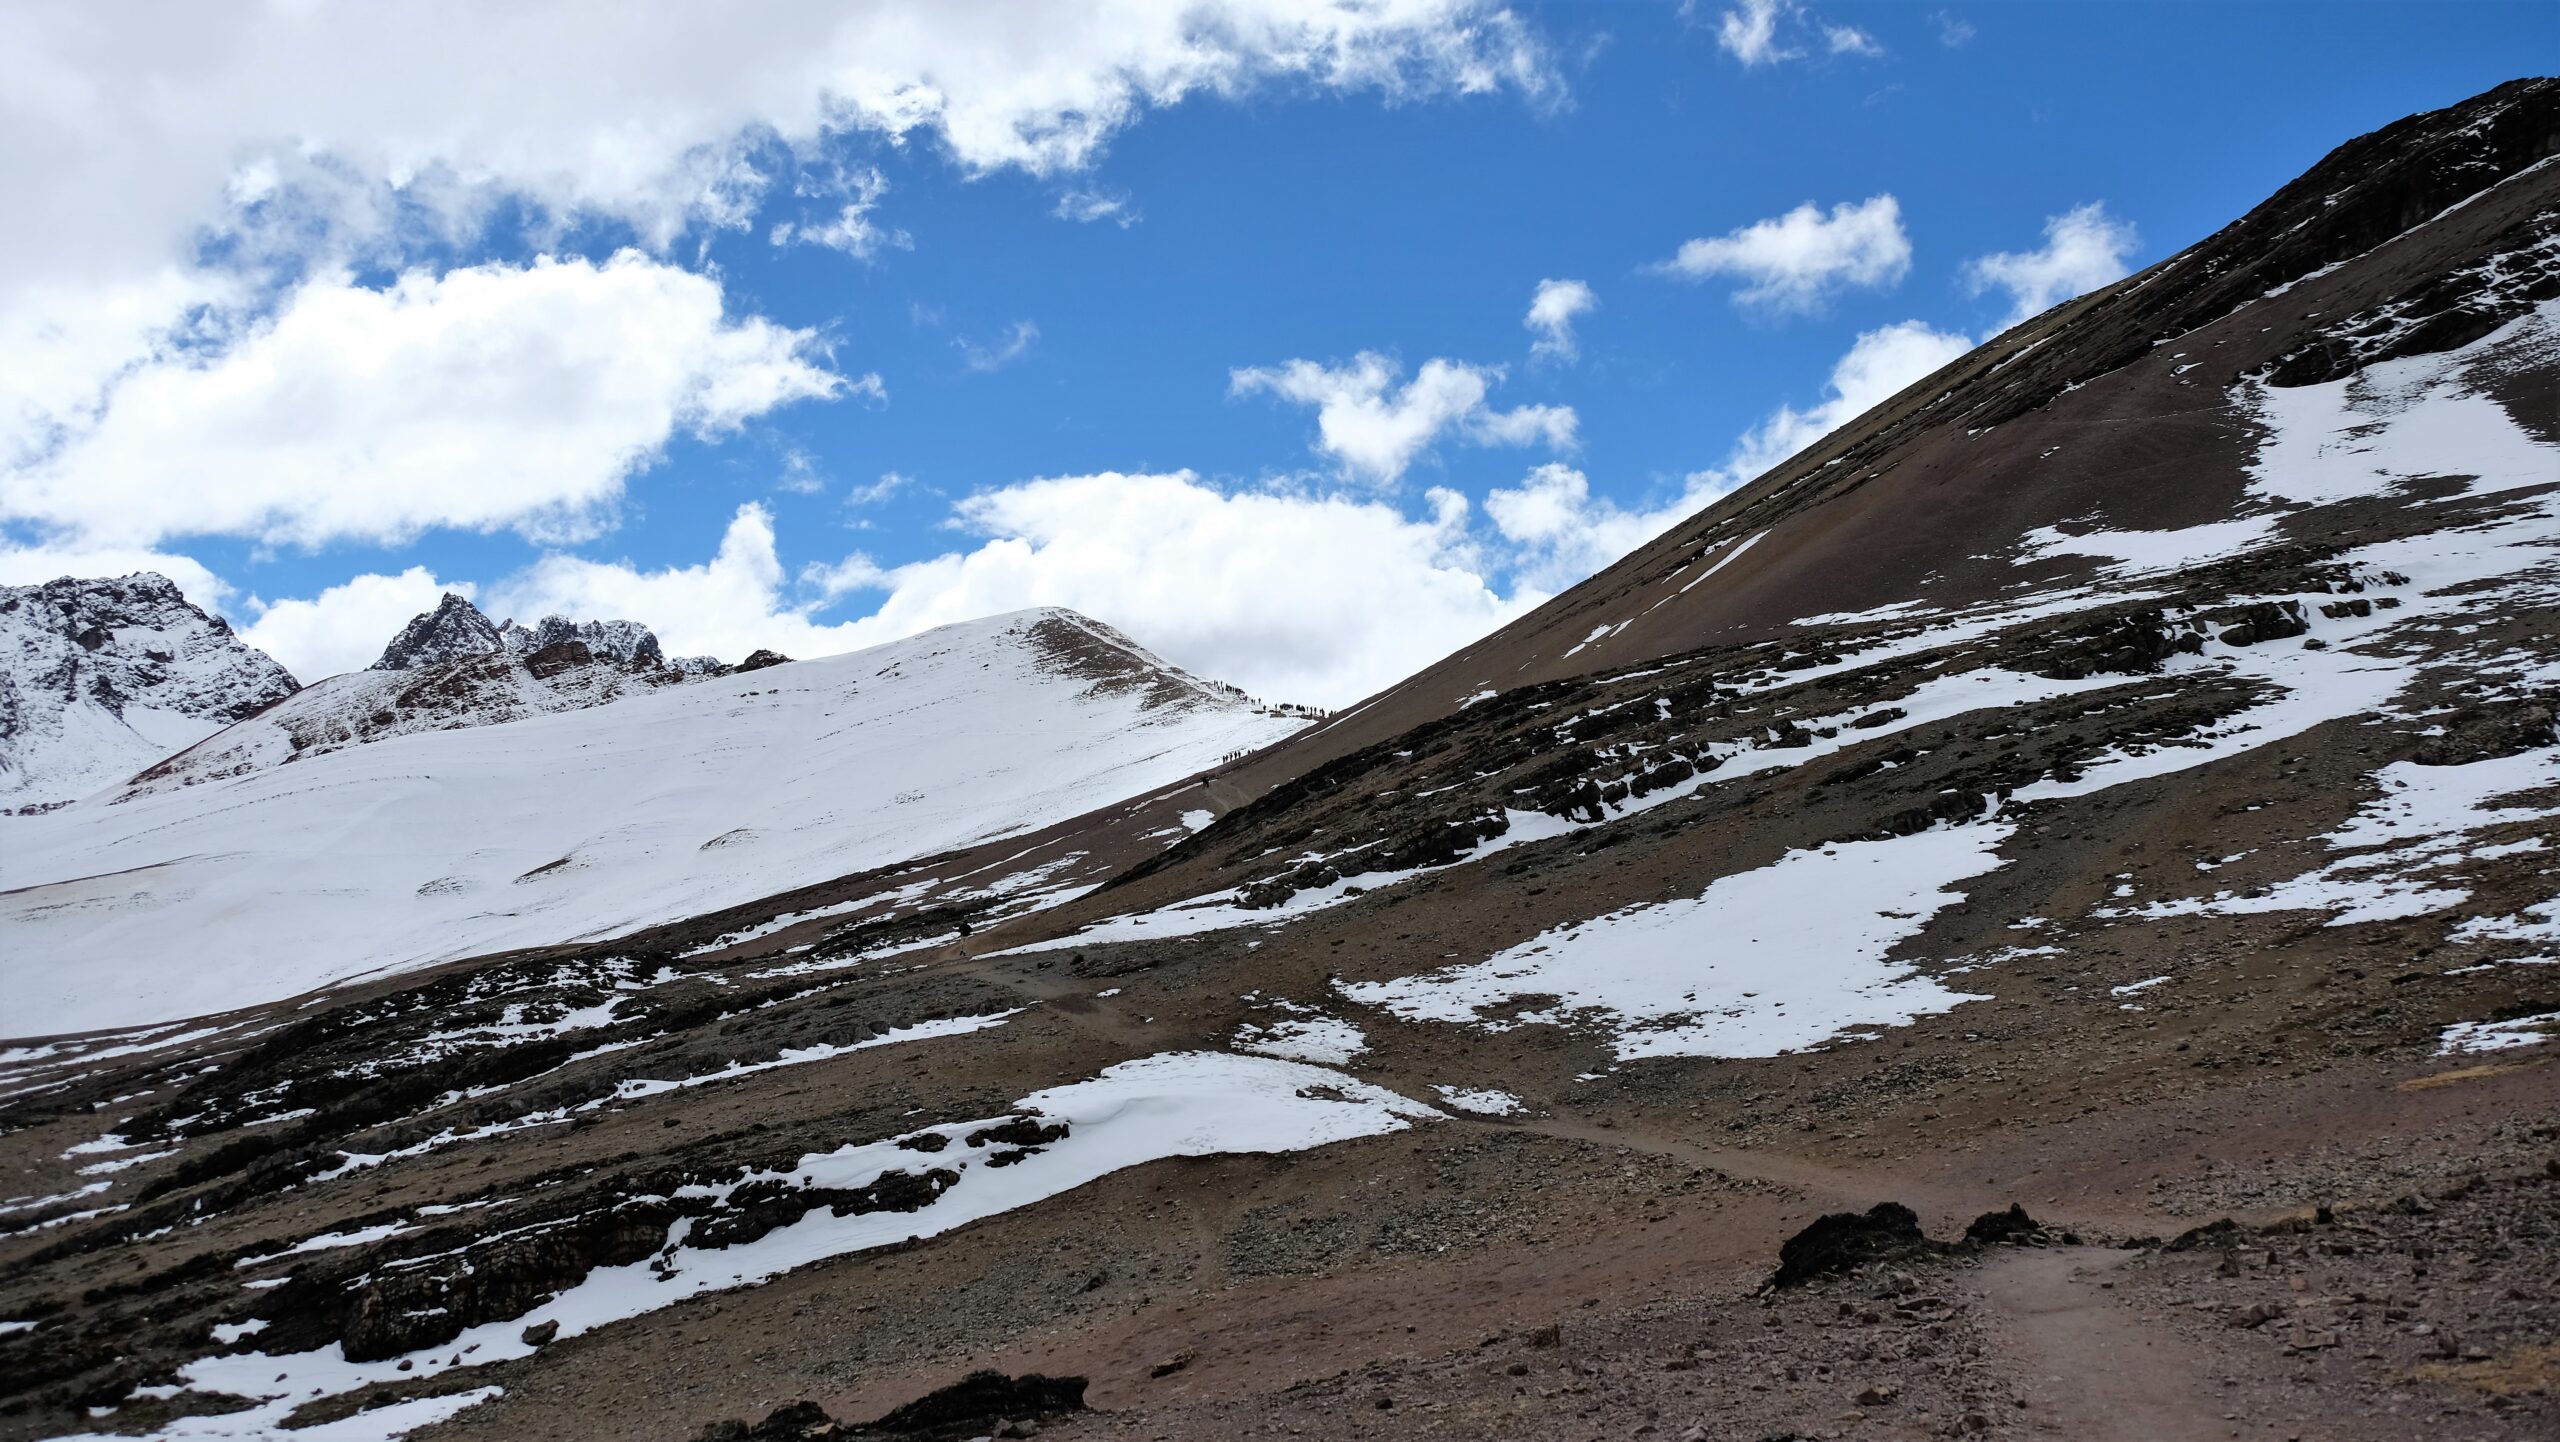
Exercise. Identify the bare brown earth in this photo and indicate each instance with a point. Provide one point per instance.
(1586, 1267)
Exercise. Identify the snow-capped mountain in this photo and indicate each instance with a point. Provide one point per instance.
(99, 678)
(457, 630)
(271, 878)
(449, 668)
(453, 631)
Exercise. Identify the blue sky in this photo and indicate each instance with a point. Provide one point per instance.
(555, 334)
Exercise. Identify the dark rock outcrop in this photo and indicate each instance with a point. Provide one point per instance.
(984, 1403)
(1845, 1241)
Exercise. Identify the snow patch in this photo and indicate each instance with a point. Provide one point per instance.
(1763, 963)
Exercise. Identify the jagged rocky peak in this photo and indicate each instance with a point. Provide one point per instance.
(626, 643)
(133, 640)
(457, 629)
(454, 629)
(99, 676)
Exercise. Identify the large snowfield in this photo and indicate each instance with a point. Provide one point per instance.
(564, 827)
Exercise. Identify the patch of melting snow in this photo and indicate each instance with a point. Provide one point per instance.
(2133, 553)
(1597, 632)
(2396, 421)
(897, 896)
(266, 1423)
(117, 1164)
(1728, 558)
(636, 1088)
(330, 1241)
(1173, 1104)
(1893, 611)
(2468, 1036)
(30, 1203)
(1483, 1101)
(1197, 820)
(2538, 922)
(2423, 822)
(1762, 963)
(1220, 911)
(1305, 1034)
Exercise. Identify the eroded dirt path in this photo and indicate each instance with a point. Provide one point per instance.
(2094, 1369)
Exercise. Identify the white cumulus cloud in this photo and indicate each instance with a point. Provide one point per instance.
(2084, 248)
(1552, 312)
(304, 138)
(1880, 363)
(1376, 426)
(487, 397)
(35, 565)
(1796, 261)
(128, 130)
(1560, 532)
(1292, 595)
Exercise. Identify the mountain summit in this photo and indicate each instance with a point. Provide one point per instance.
(455, 629)
(100, 677)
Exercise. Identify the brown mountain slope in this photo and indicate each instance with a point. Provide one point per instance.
(2111, 408)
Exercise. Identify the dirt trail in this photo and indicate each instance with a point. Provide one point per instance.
(1854, 1187)
(2096, 1371)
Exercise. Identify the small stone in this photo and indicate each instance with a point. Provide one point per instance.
(1174, 1363)
(541, 1333)
(1875, 1396)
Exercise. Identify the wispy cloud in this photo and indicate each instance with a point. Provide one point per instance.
(1087, 206)
(1016, 343)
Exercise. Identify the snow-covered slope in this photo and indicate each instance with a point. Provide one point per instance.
(659, 806)
(99, 678)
